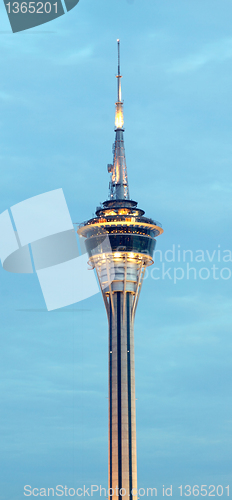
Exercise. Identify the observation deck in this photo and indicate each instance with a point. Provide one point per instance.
(127, 228)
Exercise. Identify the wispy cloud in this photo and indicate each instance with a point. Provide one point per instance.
(74, 58)
(217, 186)
(4, 96)
(218, 51)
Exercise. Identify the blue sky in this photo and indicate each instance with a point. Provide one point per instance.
(57, 94)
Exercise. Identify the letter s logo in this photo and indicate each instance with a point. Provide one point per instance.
(43, 225)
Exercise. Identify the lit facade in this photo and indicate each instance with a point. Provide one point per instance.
(120, 242)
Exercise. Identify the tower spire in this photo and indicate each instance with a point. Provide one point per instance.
(119, 189)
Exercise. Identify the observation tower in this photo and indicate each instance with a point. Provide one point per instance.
(120, 242)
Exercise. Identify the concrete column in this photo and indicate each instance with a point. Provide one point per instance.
(122, 424)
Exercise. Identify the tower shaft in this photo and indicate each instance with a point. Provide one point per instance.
(122, 422)
(120, 276)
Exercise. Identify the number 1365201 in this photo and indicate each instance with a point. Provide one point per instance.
(31, 7)
(203, 490)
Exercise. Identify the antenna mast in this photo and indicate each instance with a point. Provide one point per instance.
(118, 75)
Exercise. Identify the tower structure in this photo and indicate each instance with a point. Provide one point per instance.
(120, 242)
